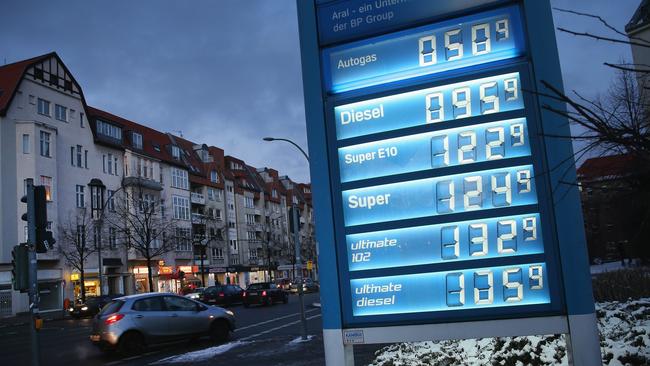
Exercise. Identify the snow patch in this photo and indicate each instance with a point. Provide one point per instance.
(201, 355)
(300, 340)
(624, 332)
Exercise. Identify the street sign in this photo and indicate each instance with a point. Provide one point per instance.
(431, 163)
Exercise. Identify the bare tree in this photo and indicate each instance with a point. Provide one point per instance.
(74, 233)
(143, 225)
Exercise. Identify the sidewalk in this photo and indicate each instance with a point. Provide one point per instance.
(22, 319)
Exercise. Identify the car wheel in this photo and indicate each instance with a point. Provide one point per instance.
(131, 343)
(219, 331)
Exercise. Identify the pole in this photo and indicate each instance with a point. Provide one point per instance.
(33, 273)
(296, 239)
(202, 269)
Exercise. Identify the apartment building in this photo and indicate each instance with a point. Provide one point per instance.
(215, 218)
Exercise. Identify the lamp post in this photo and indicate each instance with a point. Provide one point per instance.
(296, 233)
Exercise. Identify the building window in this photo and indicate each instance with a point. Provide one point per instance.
(252, 253)
(181, 208)
(250, 219)
(86, 159)
(137, 140)
(111, 201)
(25, 144)
(79, 148)
(96, 200)
(248, 202)
(233, 245)
(107, 129)
(81, 235)
(47, 182)
(112, 237)
(97, 237)
(179, 178)
(81, 200)
(251, 236)
(176, 152)
(81, 120)
(217, 214)
(214, 177)
(274, 193)
(183, 243)
(43, 107)
(217, 253)
(61, 113)
(45, 144)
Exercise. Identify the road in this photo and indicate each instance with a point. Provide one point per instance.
(264, 335)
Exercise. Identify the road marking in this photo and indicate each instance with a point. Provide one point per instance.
(130, 358)
(272, 320)
(276, 328)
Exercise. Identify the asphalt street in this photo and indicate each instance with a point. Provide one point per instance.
(264, 336)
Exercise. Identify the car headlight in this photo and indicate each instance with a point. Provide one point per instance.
(84, 308)
(230, 313)
(70, 309)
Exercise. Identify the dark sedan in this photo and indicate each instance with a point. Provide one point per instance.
(223, 295)
(264, 293)
(91, 307)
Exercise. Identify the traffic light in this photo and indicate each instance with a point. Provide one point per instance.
(19, 268)
(44, 239)
(291, 223)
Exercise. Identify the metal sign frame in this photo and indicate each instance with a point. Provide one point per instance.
(571, 310)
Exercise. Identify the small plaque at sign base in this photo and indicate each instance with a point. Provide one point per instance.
(353, 336)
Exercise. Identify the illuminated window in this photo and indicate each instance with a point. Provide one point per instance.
(47, 182)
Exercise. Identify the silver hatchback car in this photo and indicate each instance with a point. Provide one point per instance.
(131, 323)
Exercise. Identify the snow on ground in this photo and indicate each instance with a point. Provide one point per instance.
(299, 340)
(201, 355)
(624, 333)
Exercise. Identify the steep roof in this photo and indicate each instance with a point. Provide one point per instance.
(610, 166)
(641, 17)
(12, 74)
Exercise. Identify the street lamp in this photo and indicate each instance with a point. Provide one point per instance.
(289, 141)
(296, 240)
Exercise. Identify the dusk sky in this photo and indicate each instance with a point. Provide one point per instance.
(227, 72)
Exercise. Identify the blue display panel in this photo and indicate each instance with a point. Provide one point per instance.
(433, 141)
(458, 43)
(343, 20)
(504, 187)
(506, 286)
(477, 97)
(474, 144)
(492, 237)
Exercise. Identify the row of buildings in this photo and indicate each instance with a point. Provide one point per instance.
(92, 161)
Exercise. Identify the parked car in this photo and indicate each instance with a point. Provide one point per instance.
(131, 323)
(308, 285)
(223, 295)
(264, 293)
(197, 294)
(283, 283)
(91, 307)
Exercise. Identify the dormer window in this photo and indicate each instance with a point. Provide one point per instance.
(274, 193)
(137, 140)
(176, 152)
(156, 147)
(214, 177)
(109, 130)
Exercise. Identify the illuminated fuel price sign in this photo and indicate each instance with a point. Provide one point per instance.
(437, 178)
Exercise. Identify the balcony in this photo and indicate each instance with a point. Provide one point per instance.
(197, 198)
(142, 183)
(197, 218)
